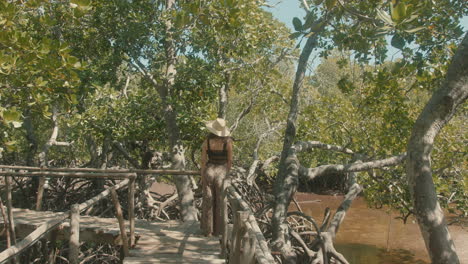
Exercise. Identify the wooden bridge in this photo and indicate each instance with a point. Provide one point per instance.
(143, 242)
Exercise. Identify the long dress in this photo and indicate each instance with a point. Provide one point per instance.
(216, 163)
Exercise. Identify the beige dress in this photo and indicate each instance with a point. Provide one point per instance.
(216, 163)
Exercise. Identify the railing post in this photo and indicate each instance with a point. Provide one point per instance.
(131, 209)
(249, 242)
(238, 233)
(118, 212)
(11, 221)
(40, 193)
(74, 253)
(224, 218)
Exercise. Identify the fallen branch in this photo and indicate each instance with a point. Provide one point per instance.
(165, 203)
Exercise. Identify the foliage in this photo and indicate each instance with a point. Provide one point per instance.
(91, 61)
(375, 119)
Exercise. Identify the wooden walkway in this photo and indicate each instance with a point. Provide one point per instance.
(156, 242)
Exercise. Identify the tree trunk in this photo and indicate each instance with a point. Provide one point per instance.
(438, 111)
(286, 183)
(31, 138)
(183, 183)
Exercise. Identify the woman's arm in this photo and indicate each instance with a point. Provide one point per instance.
(229, 154)
(204, 157)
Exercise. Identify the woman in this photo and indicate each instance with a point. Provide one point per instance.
(216, 161)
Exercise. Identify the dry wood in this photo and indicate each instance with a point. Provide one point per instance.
(165, 203)
(304, 246)
(118, 212)
(74, 234)
(164, 172)
(11, 222)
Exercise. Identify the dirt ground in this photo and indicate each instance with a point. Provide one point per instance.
(162, 188)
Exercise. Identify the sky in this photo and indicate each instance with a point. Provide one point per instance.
(286, 10)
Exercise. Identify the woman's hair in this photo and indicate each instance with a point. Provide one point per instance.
(211, 135)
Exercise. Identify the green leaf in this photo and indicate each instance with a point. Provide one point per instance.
(382, 31)
(81, 3)
(10, 145)
(295, 35)
(410, 19)
(398, 41)
(345, 85)
(309, 20)
(11, 115)
(297, 24)
(330, 4)
(398, 11)
(385, 17)
(414, 30)
(40, 82)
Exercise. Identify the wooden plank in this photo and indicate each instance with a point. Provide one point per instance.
(107, 171)
(139, 260)
(54, 174)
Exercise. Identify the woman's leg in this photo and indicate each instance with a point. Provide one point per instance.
(218, 189)
(207, 204)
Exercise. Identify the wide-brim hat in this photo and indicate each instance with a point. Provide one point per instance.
(218, 127)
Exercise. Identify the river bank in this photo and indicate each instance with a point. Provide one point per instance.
(375, 235)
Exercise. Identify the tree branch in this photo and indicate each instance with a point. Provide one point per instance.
(127, 156)
(245, 111)
(251, 174)
(308, 145)
(354, 12)
(311, 173)
(52, 140)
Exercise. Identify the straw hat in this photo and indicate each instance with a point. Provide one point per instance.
(218, 127)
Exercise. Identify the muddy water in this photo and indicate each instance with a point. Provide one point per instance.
(369, 236)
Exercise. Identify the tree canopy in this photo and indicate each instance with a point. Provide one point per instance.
(88, 83)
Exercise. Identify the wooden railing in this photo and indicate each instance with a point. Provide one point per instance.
(73, 214)
(127, 175)
(242, 241)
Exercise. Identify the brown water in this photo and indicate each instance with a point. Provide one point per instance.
(374, 236)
